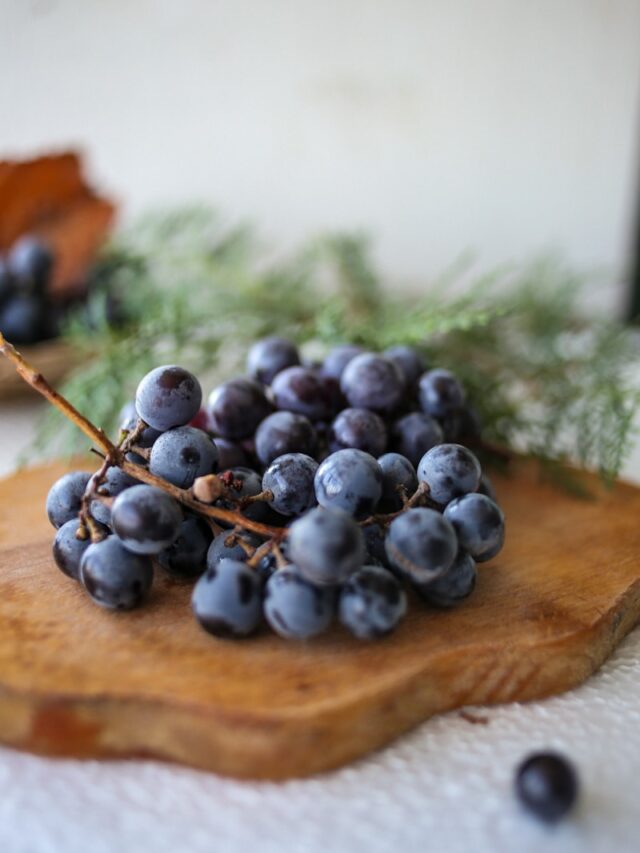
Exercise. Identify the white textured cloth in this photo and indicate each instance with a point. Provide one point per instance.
(445, 787)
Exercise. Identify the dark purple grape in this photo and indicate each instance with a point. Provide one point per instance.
(339, 357)
(450, 470)
(547, 785)
(229, 546)
(373, 382)
(294, 607)
(412, 435)
(456, 584)
(421, 544)
(349, 480)
(230, 454)
(187, 556)
(182, 454)
(358, 428)
(372, 602)
(462, 426)
(236, 408)
(479, 524)
(440, 393)
(68, 549)
(410, 362)
(22, 319)
(398, 479)
(326, 545)
(227, 600)
(116, 481)
(65, 497)
(269, 356)
(113, 576)
(289, 478)
(146, 519)
(304, 391)
(30, 262)
(244, 483)
(284, 432)
(168, 396)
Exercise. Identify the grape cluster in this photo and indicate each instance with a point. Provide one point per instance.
(297, 495)
(26, 314)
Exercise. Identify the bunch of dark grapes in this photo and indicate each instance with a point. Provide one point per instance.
(26, 313)
(330, 490)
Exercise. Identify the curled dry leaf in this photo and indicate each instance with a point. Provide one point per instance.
(49, 196)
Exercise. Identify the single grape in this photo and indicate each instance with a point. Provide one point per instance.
(236, 408)
(414, 434)
(187, 556)
(338, 358)
(326, 545)
(22, 319)
(168, 396)
(373, 382)
(479, 524)
(30, 262)
(409, 361)
(230, 454)
(65, 497)
(228, 546)
(421, 544)
(350, 480)
(547, 785)
(146, 519)
(290, 480)
(304, 391)
(462, 426)
(358, 428)
(282, 433)
(113, 576)
(450, 470)
(116, 481)
(453, 586)
(227, 599)
(68, 549)
(244, 483)
(267, 357)
(294, 607)
(440, 393)
(181, 454)
(374, 537)
(372, 602)
(398, 477)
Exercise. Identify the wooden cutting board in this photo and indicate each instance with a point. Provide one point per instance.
(79, 681)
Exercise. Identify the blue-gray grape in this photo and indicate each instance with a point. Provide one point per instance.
(326, 545)
(456, 584)
(338, 358)
(182, 454)
(440, 393)
(236, 408)
(244, 483)
(479, 524)
(30, 262)
(398, 478)
(114, 577)
(450, 470)
(409, 361)
(229, 546)
(294, 607)
(421, 544)
(168, 396)
(413, 434)
(358, 428)
(267, 357)
(227, 599)
(305, 391)
(65, 497)
(146, 519)
(290, 479)
(370, 381)
(284, 432)
(349, 480)
(372, 602)
(68, 549)
(115, 482)
(187, 556)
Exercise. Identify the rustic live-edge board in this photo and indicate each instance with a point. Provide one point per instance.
(79, 681)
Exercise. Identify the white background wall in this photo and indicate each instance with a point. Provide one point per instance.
(506, 126)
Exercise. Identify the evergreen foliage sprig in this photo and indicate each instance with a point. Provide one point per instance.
(545, 378)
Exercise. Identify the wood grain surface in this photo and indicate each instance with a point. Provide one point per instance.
(78, 681)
